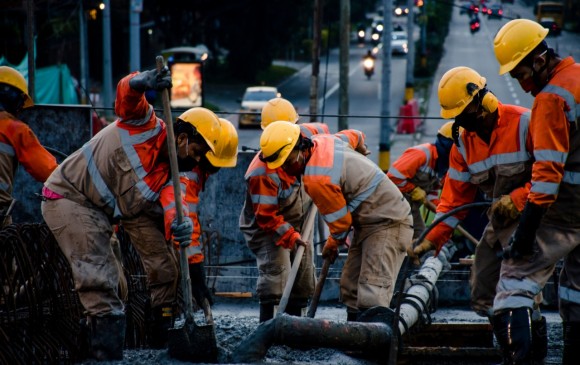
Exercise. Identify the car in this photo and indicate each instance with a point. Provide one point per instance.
(550, 24)
(495, 11)
(399, 43)
(254, 99)
(401, 10)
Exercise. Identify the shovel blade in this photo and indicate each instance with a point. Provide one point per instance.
(193, 343)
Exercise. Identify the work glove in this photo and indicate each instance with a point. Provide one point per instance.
(182, 232)
(199, 288)
(330, 249)
(151, 80)
(415, 253)
(505, 207)
(522, 242)
(418, 195)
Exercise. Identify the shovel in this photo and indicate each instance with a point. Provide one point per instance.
(186, 341)
(318, 289)
(308, 228)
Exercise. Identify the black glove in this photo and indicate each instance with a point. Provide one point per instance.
(199, 289)
(151, 80)
(522, 242)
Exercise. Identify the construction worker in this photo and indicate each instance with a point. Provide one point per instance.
(349, 190)
(18, 143)
(492, 154)
(117, 176)
(192, 183)
(549, 227)
(272, 218)
(420, 171)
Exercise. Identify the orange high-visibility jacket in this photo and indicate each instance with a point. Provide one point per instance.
(310, 129)
(19, 144)
(122, 169)
(500, 168)
(349, 189)
(417, 167)
(556, 143)
(267, 187)
(191, 183)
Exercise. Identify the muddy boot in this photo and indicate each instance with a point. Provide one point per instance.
(513, 333)
(107, 337)
(571, 343)
(162, 321)
(297, 307)
(539, 341)
(266, 311)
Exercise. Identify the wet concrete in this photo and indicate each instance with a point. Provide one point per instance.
(236, 319)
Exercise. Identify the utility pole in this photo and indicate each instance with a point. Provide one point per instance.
(31, 48)
(315, 60)
(84, 54)
(410, 80)
(135, 8)
(385, 137)
(107, 88)
(343, 64)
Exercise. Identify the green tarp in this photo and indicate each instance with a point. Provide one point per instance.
(53, 84)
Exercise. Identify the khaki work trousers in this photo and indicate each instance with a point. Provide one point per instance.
(373, 263)
(84, 236)
(521, 279)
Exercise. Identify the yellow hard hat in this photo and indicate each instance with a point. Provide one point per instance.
(277, 141)
(205, 122)
(226, 149)
(10, 76)
(515, 40)
(457, 89)
(278, 109)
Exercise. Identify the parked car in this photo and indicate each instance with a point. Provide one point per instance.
(254, 99)
(550, 24)
(495, 11)
(399, 43)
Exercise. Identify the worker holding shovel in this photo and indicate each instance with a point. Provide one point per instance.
(117, 177)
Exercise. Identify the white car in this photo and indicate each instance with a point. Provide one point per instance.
(399, 43)
(254, 99)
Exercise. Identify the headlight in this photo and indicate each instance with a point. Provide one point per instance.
(398, 11)
(375, 36)
(368, 63)
(361, 33)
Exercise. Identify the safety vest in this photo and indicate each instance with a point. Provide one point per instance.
(499, 168)
(349, 189)
(18, 144)
(191, 183)
(310, 129)
(417, 167)
(556, 129)
(122, 169)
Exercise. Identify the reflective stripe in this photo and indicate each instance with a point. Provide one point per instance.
(191, 175)
(4, 186)
(402, 184)
(343, 137)
(319, 129)
(543, 187)
(283, 229)
(192, 250)
(256, 172)
(568, 97)
(183, 187)
(264, 199)
(102, 188)
(396, 173)
(169, 206)
(192, 207)
(362, 196)
(128, 141)
(334, 171)
(6, 149)
(450, 221)
(458, 175)
(426, 167)
(571, 177)
(550, 155)
(334, 216)
(524, 127)
(569, 294)
(509, 285)
(305, 132)
(499, 159)
(274, 177)
(140, 121)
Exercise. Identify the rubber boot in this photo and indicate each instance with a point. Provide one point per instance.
(352, 314)
(297, 307)
(107, 337)
(266, 311)
(162, 321)
(571, 353)
(539, 341)
(512, 329)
